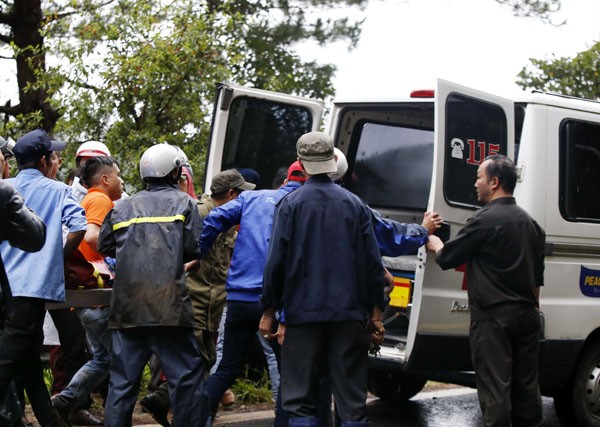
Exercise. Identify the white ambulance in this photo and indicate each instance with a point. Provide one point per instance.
(421, 153)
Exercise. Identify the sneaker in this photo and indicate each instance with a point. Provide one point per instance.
(156, 409)
(63, 408)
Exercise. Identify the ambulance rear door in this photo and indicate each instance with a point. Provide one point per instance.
(469, 126)
(257, 130)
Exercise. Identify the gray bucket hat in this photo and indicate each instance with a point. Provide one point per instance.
(315, 149)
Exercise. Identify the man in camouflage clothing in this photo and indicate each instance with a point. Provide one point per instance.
(206, 281)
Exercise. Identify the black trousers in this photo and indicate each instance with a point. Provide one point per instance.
(337, 347)
(505, 358)
(20, 342)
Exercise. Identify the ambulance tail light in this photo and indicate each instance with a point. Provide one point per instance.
(423, 93)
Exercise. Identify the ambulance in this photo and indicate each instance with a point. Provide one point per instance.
(421, 153)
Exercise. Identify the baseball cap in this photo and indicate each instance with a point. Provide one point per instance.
(33, 145)
(315, 149)
(227, 180)
(295, 172)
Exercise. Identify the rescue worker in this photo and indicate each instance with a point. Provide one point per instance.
(206, 283)
(152, 234)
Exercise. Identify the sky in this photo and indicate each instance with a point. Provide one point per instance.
(408, 44)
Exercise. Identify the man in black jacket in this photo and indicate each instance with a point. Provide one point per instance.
(503, 248)
(324, 269)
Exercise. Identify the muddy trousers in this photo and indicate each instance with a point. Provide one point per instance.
(178, 353)
(505, 358)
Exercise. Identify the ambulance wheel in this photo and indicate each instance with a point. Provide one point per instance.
(396, 387)
(581, 407)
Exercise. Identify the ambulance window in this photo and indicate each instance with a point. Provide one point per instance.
(262, 135)
(475, 129)
(391, 166)
(580, 171)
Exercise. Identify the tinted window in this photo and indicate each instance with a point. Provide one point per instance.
(392, 166)
(580, 171)
(262, 135)
(475, 129)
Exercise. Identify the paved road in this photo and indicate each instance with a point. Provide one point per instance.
(443, 408)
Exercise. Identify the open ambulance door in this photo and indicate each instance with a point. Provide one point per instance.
(256, 129)
(469, 126)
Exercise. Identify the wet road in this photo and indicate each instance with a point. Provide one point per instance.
(440, 409)
(444, 408)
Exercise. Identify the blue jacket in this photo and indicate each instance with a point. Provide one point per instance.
(396, 238)
(253, 211)
(323, 263)
(41, 274)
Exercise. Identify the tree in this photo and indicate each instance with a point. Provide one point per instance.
(134, 73)
(577, 76)
(21, 28)
(541, 9)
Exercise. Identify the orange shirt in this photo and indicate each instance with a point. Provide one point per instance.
(96, 205)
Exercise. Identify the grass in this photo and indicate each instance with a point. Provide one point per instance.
(248, 391)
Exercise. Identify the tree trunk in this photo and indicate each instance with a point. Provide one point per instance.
(27, 26)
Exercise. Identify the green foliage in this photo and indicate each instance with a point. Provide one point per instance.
(248, 391)
(578, 76)
(132, 73)
(541, 9)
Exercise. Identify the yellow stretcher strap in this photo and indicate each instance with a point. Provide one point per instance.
(149, 219)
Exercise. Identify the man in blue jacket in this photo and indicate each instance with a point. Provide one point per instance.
(253, 211)
(37, 159)
(324, 268)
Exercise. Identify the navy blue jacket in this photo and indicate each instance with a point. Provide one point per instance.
(323, 263)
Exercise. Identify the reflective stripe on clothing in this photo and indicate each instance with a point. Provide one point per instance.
(151, 220)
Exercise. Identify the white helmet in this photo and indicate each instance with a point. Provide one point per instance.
(341, 163)
(185, 162)
(92, 149)
(159, 160)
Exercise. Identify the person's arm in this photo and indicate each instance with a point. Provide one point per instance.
(457, 251)
(73, 217)
(539, 263)
(395, 238)
(376, 325)
(375, 270)
(192, 227)
(91, 235)
(23, 228)
(267, 321)
(274, 273)
(432, 221)
(219, 220)
(107, 244)
(73, 241)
